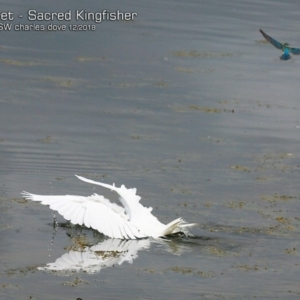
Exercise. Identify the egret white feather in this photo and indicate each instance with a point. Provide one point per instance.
(131, 221)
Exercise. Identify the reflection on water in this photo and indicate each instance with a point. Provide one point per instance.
(90, 255)
(108, 253)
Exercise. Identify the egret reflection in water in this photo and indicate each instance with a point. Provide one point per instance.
(114, 252)
(107, 253)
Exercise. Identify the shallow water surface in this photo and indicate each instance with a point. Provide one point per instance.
(188, 104)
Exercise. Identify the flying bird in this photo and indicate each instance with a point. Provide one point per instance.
(286, 49)
(130, 221)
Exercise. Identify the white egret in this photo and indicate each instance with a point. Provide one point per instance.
(131, 221)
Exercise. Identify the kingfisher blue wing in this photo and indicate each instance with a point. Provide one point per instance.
(274, 42)
(295, 51)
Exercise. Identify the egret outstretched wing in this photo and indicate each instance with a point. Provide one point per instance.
(271, 40)
(136, 212)
(94, 211)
